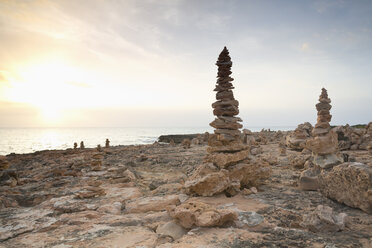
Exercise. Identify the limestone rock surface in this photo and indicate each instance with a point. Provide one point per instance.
(349, 183)
(323, 219)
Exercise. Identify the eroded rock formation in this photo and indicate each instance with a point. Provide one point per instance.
(196, 213)
(297, 139)
(228, 166)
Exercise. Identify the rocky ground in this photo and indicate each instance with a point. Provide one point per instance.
(123, 197)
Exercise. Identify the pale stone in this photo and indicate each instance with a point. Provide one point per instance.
(171, 229)
(323, 145)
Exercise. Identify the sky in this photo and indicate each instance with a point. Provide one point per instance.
(151, 63)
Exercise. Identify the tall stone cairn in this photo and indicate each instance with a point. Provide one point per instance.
(228, 166)
(324, 116)
(226, 107)
(227, 138)
(324, 143)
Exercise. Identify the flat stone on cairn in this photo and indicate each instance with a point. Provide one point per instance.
(228, 165)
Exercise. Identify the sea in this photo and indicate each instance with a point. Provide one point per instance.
(28, 140)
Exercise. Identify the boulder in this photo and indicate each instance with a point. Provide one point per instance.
(349, 183)
(207, 180)
(309, 179)
(223, 160)
(323, 145)
(196, 213)
(251, 173)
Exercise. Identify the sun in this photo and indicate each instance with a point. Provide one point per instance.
(50, 114)
(47, 86)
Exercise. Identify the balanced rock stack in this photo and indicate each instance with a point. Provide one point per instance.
(226, 107)
(228, 165)
(324, 143)
(227, 138)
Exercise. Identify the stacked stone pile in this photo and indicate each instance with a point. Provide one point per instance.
(226, 107)
(324, 143)
(228, 166)
(227, 136)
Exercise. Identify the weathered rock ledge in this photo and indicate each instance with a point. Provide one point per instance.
(134, 197)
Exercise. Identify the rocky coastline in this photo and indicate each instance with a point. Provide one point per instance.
(64, 198)
(311, 187)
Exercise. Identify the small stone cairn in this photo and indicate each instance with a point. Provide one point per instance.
(324, 143)
(82, 145)
(99, 148)
(107, 143)
(228, 167)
